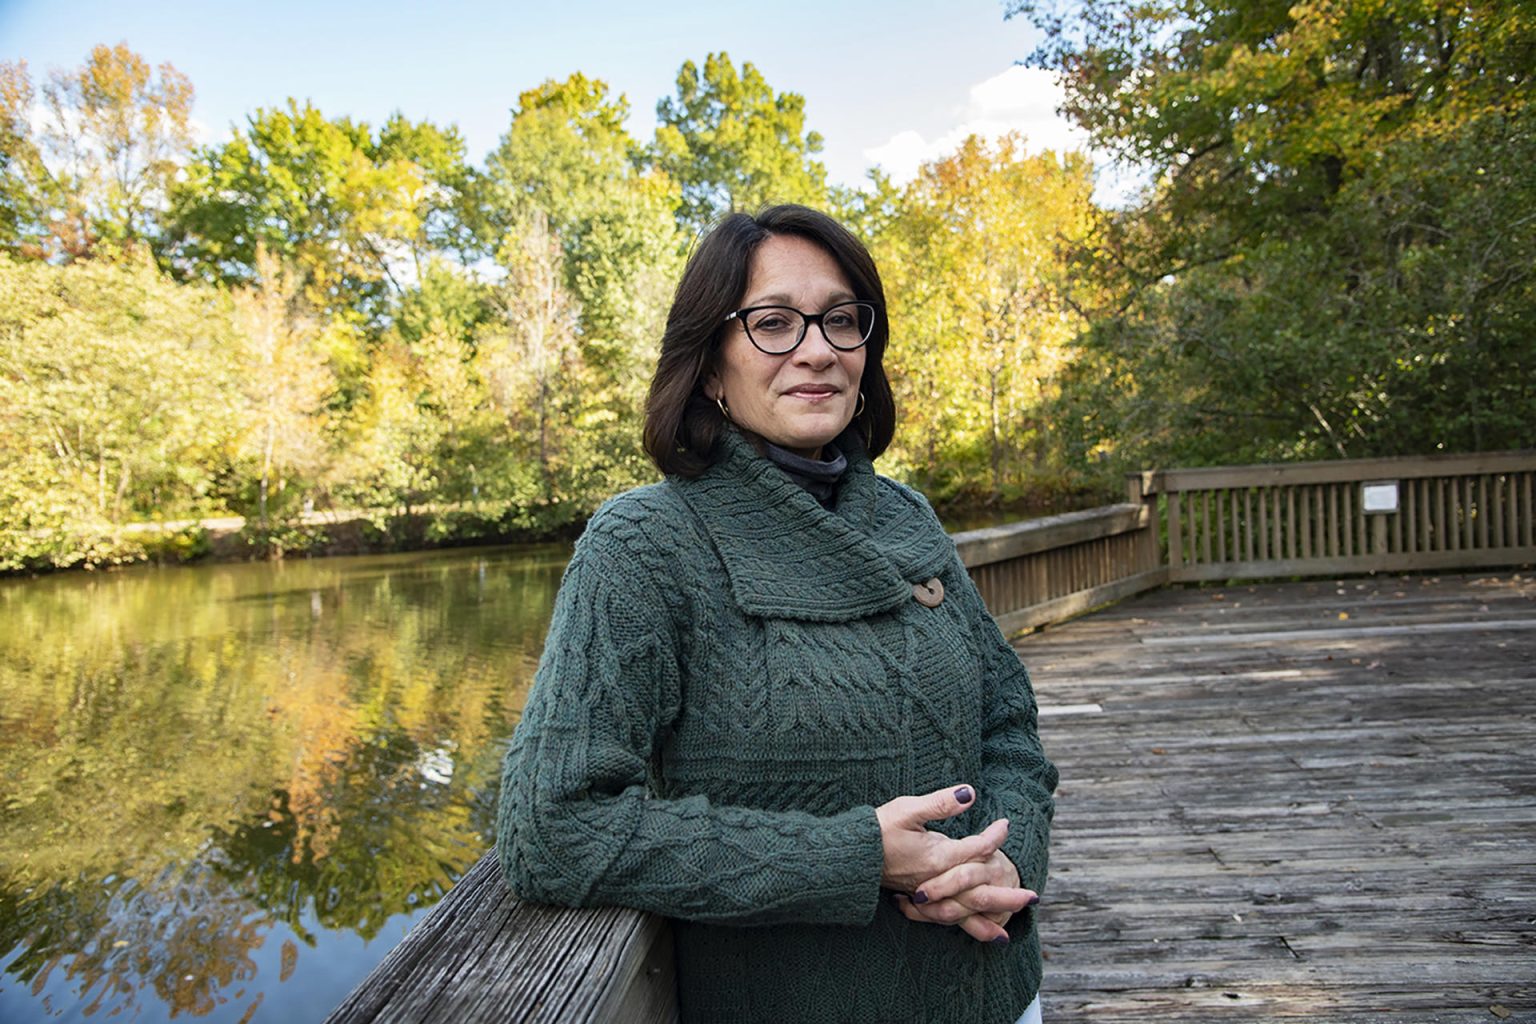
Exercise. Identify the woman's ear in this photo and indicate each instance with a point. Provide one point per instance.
(712, 388)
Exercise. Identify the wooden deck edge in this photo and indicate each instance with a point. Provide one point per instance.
(1066, 607)
(1416, 561)
(483, 954)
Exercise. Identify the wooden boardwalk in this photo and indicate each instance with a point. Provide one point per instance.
(1299, 801)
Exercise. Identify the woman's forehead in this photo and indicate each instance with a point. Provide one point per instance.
(786, 269)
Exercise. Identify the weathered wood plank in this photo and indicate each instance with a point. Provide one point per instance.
(481, 954)
(1280, 814)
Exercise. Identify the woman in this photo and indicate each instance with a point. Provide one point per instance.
(753, 665)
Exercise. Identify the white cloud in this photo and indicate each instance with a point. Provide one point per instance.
(1020, 100)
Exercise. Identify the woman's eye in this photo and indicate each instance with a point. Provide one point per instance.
(772, 323)
(840, 320)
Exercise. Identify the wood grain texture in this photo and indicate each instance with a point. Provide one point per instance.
(482, 954)
(1330, 818)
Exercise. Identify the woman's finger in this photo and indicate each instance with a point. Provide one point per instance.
(982, 930)
(917, 811)
(977, 847)
(993, 899)
(958, 879)
(981, 927)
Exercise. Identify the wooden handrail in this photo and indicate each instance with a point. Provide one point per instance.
(481, 955)
(1399, 467)
(1012, 540)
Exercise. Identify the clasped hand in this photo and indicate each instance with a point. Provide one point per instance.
(967, 882)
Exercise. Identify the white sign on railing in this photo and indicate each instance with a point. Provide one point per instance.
(1379, 497)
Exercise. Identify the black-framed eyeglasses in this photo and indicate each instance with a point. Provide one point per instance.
(779, 330)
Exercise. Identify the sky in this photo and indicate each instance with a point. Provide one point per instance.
(889, 83)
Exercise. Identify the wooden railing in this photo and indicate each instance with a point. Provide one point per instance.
(1247, 522)
(1047, 570)
(1367, 515)
(482, 955)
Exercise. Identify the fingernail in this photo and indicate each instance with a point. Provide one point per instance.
(964, 795)
(919, 897)
(1001, 940)
(1033, 900)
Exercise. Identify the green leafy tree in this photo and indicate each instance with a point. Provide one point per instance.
(732, 143)
(530, 362)
(566, 162)
(345, 209)
(1336, 254)
(114, 406)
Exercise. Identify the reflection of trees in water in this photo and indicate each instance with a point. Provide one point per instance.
(188, 759)
(188, 935)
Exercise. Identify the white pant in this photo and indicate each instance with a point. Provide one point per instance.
(1031, 1013)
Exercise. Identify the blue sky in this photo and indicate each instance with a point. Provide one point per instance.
(890, 82)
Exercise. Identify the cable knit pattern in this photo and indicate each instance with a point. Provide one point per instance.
(734, 678)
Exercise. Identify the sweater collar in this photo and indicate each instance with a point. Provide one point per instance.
(787, 557)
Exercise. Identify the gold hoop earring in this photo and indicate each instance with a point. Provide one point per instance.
(860, 410)
(723, 410)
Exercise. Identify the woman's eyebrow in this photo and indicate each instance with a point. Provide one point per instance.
(783, 299)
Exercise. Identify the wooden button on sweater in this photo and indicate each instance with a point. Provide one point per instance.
(929, 594)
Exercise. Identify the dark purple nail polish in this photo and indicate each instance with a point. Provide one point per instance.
(964, 794)
(1033, 900)
(1001, 940)
(919, 897)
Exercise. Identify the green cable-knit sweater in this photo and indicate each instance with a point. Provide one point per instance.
(734, 678)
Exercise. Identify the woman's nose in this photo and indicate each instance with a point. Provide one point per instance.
(815, 350)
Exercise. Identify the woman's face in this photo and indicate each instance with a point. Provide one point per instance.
(805, 398)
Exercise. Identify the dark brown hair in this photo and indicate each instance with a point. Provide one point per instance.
(682, 426)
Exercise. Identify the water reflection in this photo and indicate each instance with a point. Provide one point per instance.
(226, 790)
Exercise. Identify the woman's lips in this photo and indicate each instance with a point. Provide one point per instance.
(812, 391)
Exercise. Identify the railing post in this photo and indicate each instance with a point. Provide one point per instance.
(1149, 554)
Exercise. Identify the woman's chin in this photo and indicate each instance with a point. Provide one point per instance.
(809, 437)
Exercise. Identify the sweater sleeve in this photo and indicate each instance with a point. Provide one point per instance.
(1017, 780)
(579, 826)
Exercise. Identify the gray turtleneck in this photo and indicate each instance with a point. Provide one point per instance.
(817, 476)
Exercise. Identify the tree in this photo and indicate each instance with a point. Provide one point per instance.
(114, 386)
(96, 171)
(530, 362)
(1336, 256)
(732, 143)
(285, 380)
(566, 162)
(980, 329)
(346, 210)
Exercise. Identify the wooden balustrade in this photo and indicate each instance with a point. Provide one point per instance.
(1308, 519)
(1051, 569)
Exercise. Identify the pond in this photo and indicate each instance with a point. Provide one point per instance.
(228, 791)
